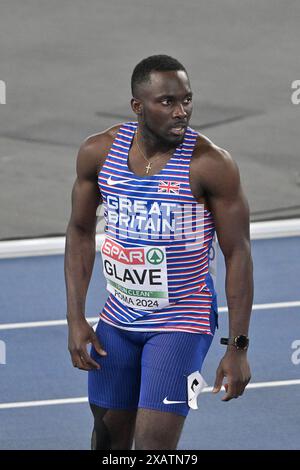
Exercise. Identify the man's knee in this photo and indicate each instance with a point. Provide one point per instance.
(157, 430)
(152, 440)
(100, 435)
(113, 429)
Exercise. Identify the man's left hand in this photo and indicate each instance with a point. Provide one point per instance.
(235, 367)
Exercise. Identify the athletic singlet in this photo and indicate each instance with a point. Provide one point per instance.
(158, 249)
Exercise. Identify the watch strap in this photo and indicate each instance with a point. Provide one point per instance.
(235, 340)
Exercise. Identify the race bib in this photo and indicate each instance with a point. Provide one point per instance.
(137, 277)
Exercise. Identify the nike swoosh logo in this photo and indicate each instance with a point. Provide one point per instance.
(112, 182)
(169, 402)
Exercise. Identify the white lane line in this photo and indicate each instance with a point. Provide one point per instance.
(295, 303)
(69, 401)
(37, 324)
(29, 404)
(56, 245)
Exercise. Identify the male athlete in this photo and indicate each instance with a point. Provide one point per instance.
(166, 190)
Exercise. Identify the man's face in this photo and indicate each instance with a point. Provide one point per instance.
(165, 105)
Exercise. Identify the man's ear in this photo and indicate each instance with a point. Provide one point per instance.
(137, 106)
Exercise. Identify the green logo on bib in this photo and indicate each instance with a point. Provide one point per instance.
(155, 256)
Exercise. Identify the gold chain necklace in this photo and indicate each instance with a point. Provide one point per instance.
(149, 164)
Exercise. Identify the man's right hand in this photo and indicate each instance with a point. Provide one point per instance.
(80, 334)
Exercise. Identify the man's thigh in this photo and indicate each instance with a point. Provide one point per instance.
(169, 361)
(170, 375)
(116, 385)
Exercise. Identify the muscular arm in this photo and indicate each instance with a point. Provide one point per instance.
(80, 236)
(80, 248)
(221, 183)
(231, 215)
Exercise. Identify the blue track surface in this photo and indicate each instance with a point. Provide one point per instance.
(38, 365)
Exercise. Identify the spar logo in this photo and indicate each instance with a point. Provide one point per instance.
(155, 256)
(123, 255)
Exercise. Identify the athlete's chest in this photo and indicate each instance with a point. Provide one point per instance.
(142, 167)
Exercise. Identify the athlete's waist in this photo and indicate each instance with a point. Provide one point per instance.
(190, 244)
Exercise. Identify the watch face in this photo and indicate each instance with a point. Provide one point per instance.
(241, 342)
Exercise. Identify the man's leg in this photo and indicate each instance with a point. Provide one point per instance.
(168, 362)
(114, 388)
(113, 429)
(157, 430)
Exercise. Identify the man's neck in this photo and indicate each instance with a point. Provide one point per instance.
(150, 144)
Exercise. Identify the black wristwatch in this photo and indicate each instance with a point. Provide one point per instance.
(240, 341)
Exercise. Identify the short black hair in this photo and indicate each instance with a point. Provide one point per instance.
(159, 63)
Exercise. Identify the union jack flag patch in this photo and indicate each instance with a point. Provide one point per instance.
(171, 187)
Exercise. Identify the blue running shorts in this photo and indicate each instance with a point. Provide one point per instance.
(147, 369)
